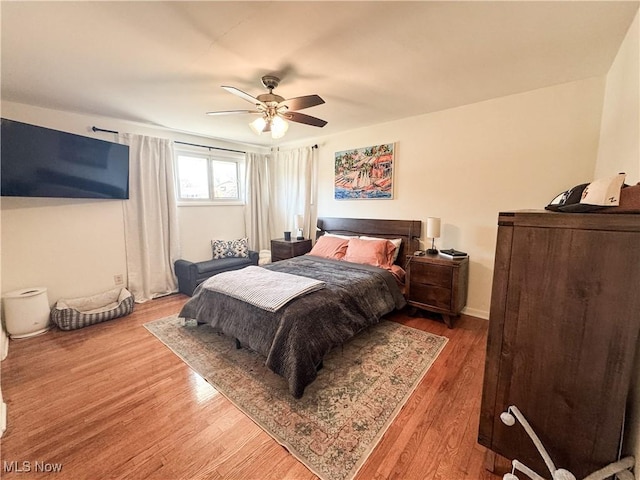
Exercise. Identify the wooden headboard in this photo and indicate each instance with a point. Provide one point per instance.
(408, 230)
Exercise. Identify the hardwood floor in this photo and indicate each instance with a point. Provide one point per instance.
(111, 401)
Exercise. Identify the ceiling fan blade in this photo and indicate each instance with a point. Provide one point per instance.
(245, 96)
(298, 103)
(306, 119)
(233, 112)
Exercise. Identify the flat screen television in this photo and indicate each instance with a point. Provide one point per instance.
(41, 162)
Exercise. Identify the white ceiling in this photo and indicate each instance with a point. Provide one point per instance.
(162, 63)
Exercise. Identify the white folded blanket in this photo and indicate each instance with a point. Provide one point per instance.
(261, 287)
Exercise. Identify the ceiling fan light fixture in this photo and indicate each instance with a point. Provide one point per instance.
(258, 125)
(275, 112)
(279, 127)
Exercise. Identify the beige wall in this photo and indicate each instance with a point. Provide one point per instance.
(200, 225)
(71, 247)
(619, 149)
(466, 164)
(620, 152)
(463, 165)
(75, 247)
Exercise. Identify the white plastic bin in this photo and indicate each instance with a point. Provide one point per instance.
(26, 312)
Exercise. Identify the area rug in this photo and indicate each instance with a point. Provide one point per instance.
(343, 414)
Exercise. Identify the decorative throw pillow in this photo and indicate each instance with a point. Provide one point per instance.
(378, 253)
(330, 247)
(230, 248)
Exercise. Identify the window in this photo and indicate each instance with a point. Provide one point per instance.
(209, 178)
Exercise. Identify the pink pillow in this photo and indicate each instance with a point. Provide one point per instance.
(330, 247)
(378, 253)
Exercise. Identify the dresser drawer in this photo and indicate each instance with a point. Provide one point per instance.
(430, 274)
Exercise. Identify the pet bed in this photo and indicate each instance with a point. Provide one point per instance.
(70, 314)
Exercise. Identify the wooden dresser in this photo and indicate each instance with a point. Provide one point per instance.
(282, 249)
(438, 284)
(564, 324)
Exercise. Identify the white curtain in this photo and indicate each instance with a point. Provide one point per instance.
(150, 217)
(293, 183)
(257, 221)
(279, 187)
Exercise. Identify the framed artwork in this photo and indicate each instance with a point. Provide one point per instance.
(364, 173)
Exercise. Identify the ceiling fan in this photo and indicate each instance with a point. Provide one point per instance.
(274, 110)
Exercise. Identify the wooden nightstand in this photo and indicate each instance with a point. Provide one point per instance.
(282, 249)
(438, 284)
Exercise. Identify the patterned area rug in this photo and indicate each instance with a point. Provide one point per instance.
(342, 415)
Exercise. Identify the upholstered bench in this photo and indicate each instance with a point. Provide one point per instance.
(192, 274)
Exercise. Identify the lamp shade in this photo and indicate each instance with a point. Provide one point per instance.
(258, 125)
(278, 127)
(299, 221)
(433, 227)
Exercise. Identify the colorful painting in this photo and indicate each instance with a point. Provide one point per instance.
(364, 172)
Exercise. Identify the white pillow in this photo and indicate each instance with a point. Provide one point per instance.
(396, 242)
(347, 237)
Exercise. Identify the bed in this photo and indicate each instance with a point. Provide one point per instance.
(295, 338)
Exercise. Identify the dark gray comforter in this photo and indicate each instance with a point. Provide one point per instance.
(296, 338)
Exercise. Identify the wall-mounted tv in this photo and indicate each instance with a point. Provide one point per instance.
(41, 162)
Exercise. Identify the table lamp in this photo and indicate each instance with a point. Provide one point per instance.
(433, 232)
(299, 231)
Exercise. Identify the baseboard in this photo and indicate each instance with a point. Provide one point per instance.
(4, 349)
(3, 417)
(4, 343)
(474, 312)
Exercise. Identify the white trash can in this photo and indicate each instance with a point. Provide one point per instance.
(264, 257)
(26, 312)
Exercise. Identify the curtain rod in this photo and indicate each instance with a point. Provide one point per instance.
(96, 129)
(313, 147)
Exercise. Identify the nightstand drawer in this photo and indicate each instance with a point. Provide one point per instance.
(429, 274)
(280, 250)
(301, 247)
(438, 297)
